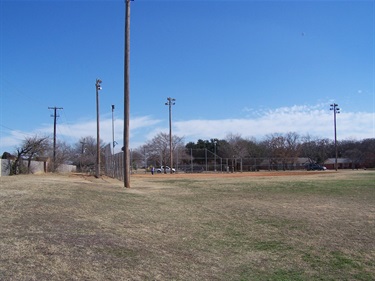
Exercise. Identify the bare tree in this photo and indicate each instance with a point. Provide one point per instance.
(238, 145)
(274, 144)
(292, 147)
(136, 158)
(85, 153)
(158, 148)
(282, 149)
(318, 150)
(63, 154)
(367, 146)
(31, 147)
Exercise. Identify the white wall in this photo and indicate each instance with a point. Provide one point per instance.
(35, 167)
(4, 167)
(64, 168)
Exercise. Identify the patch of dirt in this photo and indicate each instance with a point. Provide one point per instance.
(234, 175)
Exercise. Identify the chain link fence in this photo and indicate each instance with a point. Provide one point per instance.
(202, 160)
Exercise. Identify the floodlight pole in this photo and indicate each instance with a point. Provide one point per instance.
(335, 111)
(171, 101)
(113, 142)
(113, 129)
(98, 88)
(127, 96)
(215, 142)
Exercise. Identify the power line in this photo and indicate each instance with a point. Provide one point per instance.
(15, 90)
(67, 125)
(15, 130)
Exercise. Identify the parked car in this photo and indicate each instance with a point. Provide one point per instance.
(315, 167)
(165, 169)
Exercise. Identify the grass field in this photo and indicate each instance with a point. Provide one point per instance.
(276, 226)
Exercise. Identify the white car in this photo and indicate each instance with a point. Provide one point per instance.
(165, 169)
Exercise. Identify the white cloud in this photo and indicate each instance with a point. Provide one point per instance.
(315, 120)
(88, 128)
(11, 141)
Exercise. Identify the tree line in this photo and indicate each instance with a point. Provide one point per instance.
(82, 154)
(156, 151)
(273, 146)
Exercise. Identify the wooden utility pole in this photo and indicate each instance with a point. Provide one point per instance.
(54, 134)
(127, 96)
(113, 163)
(98, 88)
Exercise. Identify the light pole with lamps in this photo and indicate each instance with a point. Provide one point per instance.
(113, 130)
(215, 142)
(171, 101)
(98, 88)
(113, 141)
(335, 111)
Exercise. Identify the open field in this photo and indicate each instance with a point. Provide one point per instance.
(245, 226)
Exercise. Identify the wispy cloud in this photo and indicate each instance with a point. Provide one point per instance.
(315, 120)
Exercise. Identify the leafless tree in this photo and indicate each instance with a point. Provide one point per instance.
(158, 148)
(315, 148)
(85, 153)
(63, 153)
(238, 146)
(282, 149)
(30, 148)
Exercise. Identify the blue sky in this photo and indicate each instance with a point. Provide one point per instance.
(243, 67)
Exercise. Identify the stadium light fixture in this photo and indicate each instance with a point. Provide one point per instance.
(98, 88)
(171, 101)
(335, 111)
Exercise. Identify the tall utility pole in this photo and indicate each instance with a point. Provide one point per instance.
(113, 130)
(54, 134)
(98, 88)
(171, 101)
(127, 96)
(113, 142)
(215, 143)
(335, 111)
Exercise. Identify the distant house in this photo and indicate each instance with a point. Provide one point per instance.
(298, 163)
(342, 163)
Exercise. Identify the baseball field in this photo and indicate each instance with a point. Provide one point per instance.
(240, 226)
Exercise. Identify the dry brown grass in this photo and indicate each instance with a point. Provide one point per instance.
(249, 226)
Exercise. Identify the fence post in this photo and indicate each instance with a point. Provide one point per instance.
(191, 158)
(177, 161)
(205, 156)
